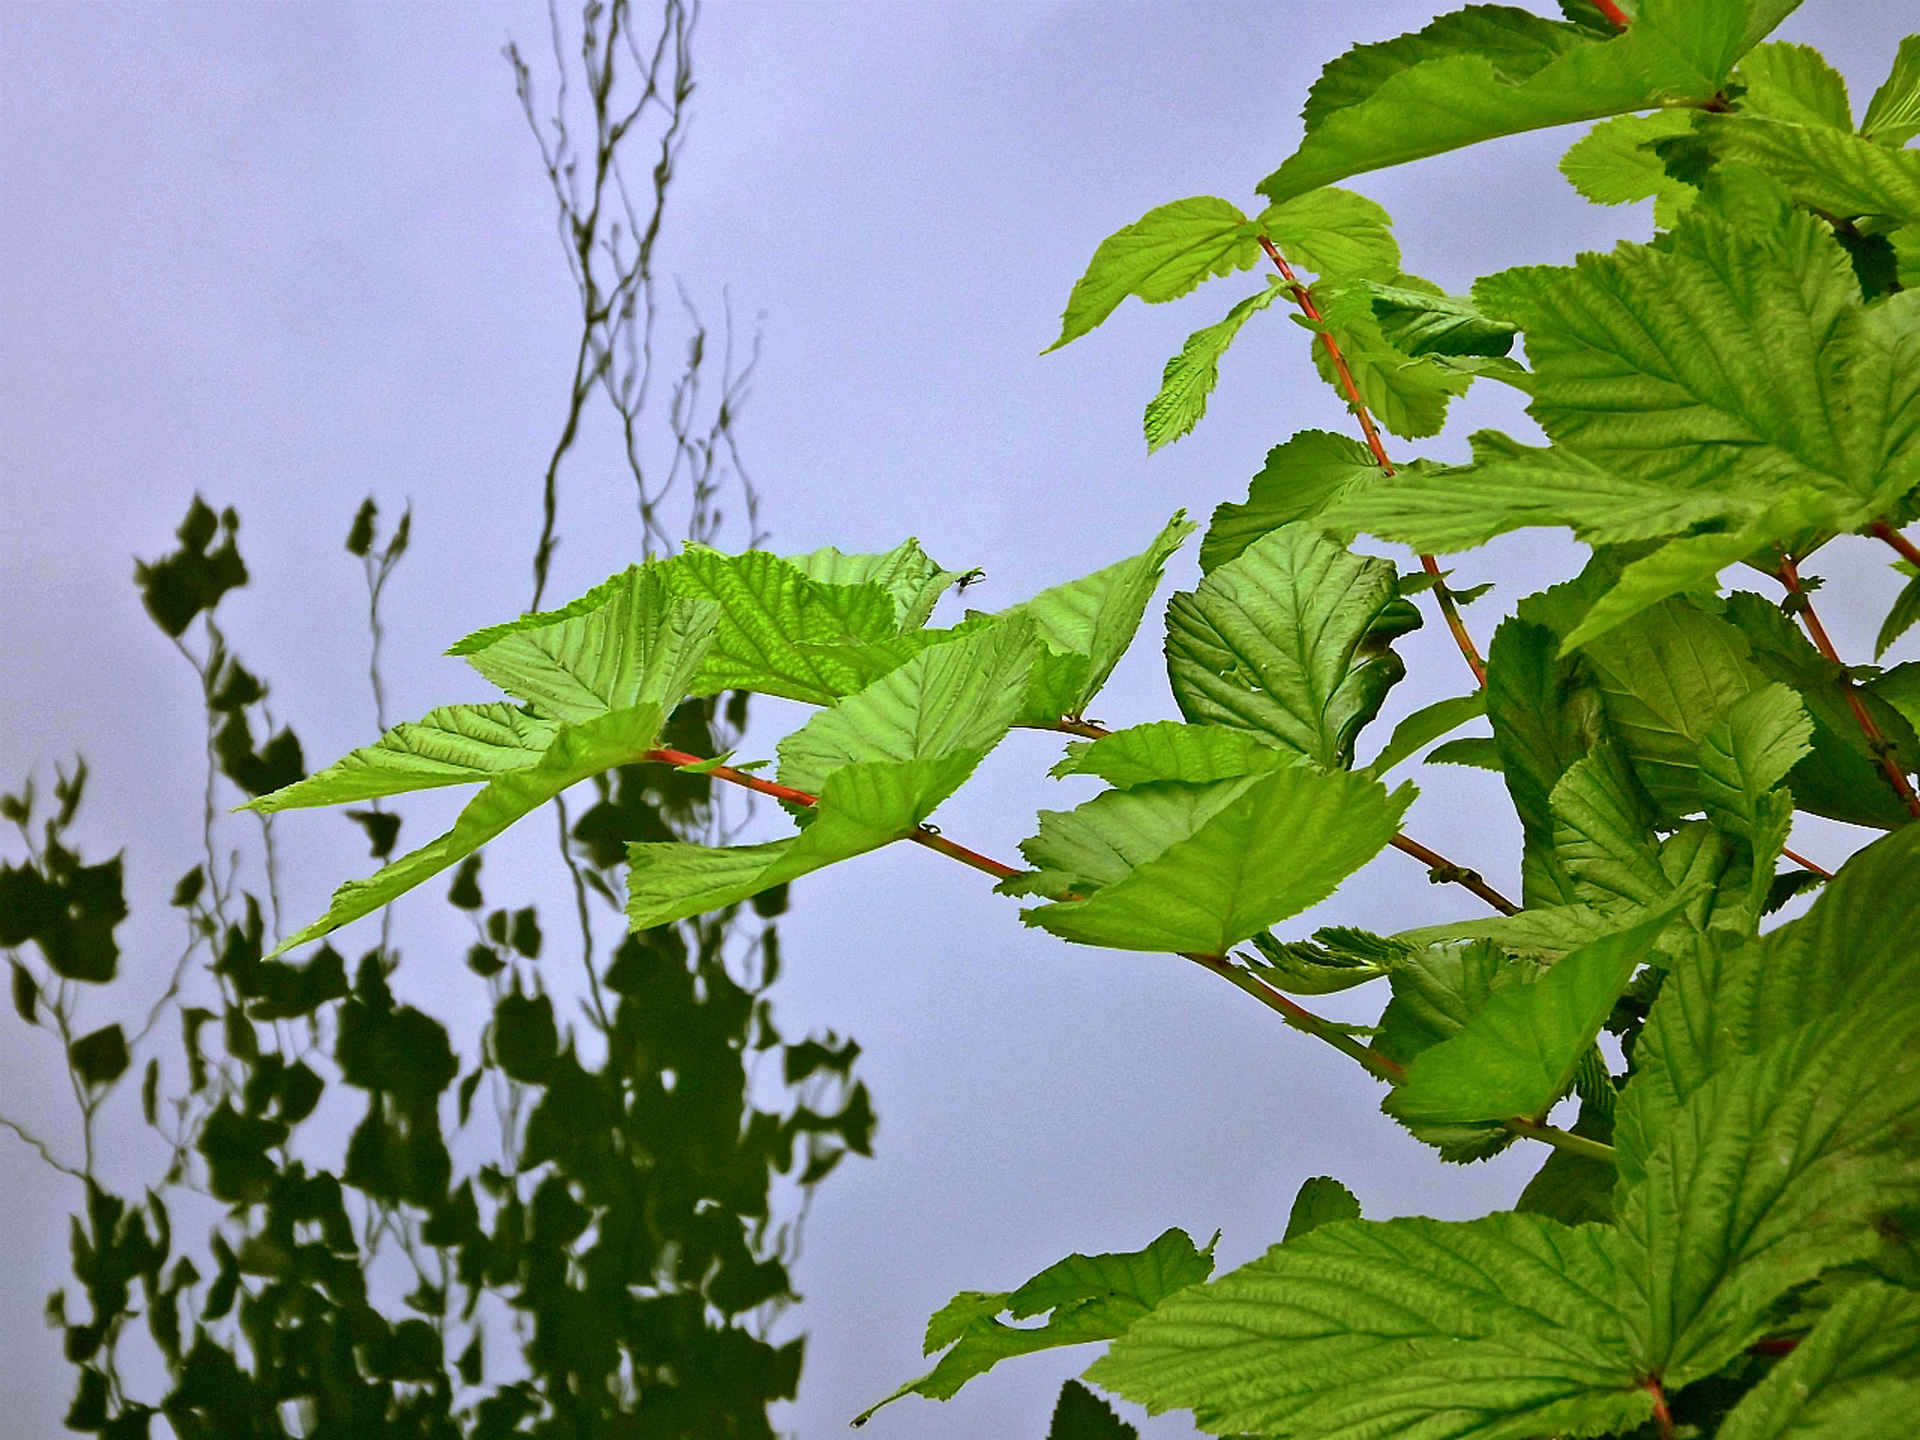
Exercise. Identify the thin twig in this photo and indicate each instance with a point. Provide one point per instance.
(1789, 576)
(1560, 1139)
(1303, 297)
(1442, 871)
(1806, 864)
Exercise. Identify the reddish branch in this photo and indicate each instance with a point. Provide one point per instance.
(1304, 299)
(1662, 1416)
(1806, 864)
(1615, 15)
(1881, 530)
(1789, 576)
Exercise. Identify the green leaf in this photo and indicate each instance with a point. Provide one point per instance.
(1336, 958)
(1412, 1327)
(1280, 844)
(1768, 1125)
(1081, 1415)
(1169, 750)
(1320, 1201)
(1893, 115)
(1900, 618)
(1407, 395)
(905, 572)
(575, 753)
(1603, 836)
(1100, 842)
(1900, 688)
(454, 745)
(1336, 233)
(1424, 726)
(1829, 170)
(1617, 162)
(1490, 70)
(1087, 625)
(1161, 256)
(99, 1058)
(1417, 323)
(1510, 486)
(1517, 1053)
(1855, 1376)
(628, 642)
(1743, 756)
(953, 699)
(1663, 363)
(1092, 1297)
(1842, 777)
(1190, 376)
(1298, 481)
(1479, 752)
(1795, 83)
(1570, 1187)
(1282, 641)
(782, 632)
(1438, 989)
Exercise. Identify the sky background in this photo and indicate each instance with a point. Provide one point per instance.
(289, 255)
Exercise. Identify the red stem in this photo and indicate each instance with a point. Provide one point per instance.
(1443, 871)
(1304, 299)
(1789, 576)
(1662, 1416)
(1615, 16)
(1806, 864)
(1881, 530)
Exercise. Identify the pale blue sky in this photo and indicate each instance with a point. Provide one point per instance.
(286, 255)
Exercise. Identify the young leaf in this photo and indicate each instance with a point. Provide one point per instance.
(1191, 375)
(1281, 844)
(575, 753)
(1403, 1327)
(1100, 842)
(1161, 256)
(1092, 1297)
(1743, 756)
(1087, 625)
(1299, 479)
(1900, 618)
(1900, 688)
(1283, 641)
(1795, 83)
(454, 745)
(957, 698)
(1517, 1053)
(1856, 1375)
(1424, 726)
(1336, 958)
(1488, 71)
(1893, 115)
(1168, 750)
(1603, 836)
(1081, 1415)
(1616, 163)
(905, 572)
(1320, 1201)
(629, 642)
(1408, 396)
(1828, 170)
(1336, 233)
(1416, 323)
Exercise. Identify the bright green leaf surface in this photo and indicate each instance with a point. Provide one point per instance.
(1407, 395)
(1603, 836)
(1496, 1327)
(1092, 1297)
(959, 697)
(1336, 958)
(906, 573)
(1426, 725)
(1299, 479)
(636, 643)
(1161, 256)
(1320, 1201)
(1517, 1054)
(1855, 1377)
(1277, 847)
(1893, 115)
(1489, 71)
(1191, 375)
(1088, 624)
(1334, 232)
(1901, 616)
(1417, 323)
(454, 745)
(1795, 83)
(1272, 642)
(1830, 170)
(1100, 842)
(1169, 750)
(575, 753)
(1616, 163)
(782, 632)
(1900, 688)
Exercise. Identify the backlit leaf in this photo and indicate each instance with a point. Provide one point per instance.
(905, 572)
(1336, 233)
(1161, 256)
(1426, 725)
(1320, 1201)
(1893, 115)
(1190, 376)
(1168, 750)
(1299, 479)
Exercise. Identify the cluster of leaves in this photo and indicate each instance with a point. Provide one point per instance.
(625, 1235)
(1722, 1243)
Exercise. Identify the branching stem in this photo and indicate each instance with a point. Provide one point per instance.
(1789, 576)
(1303, 297)
(1443, 871)
(1560, 1139)
(1881, 530)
